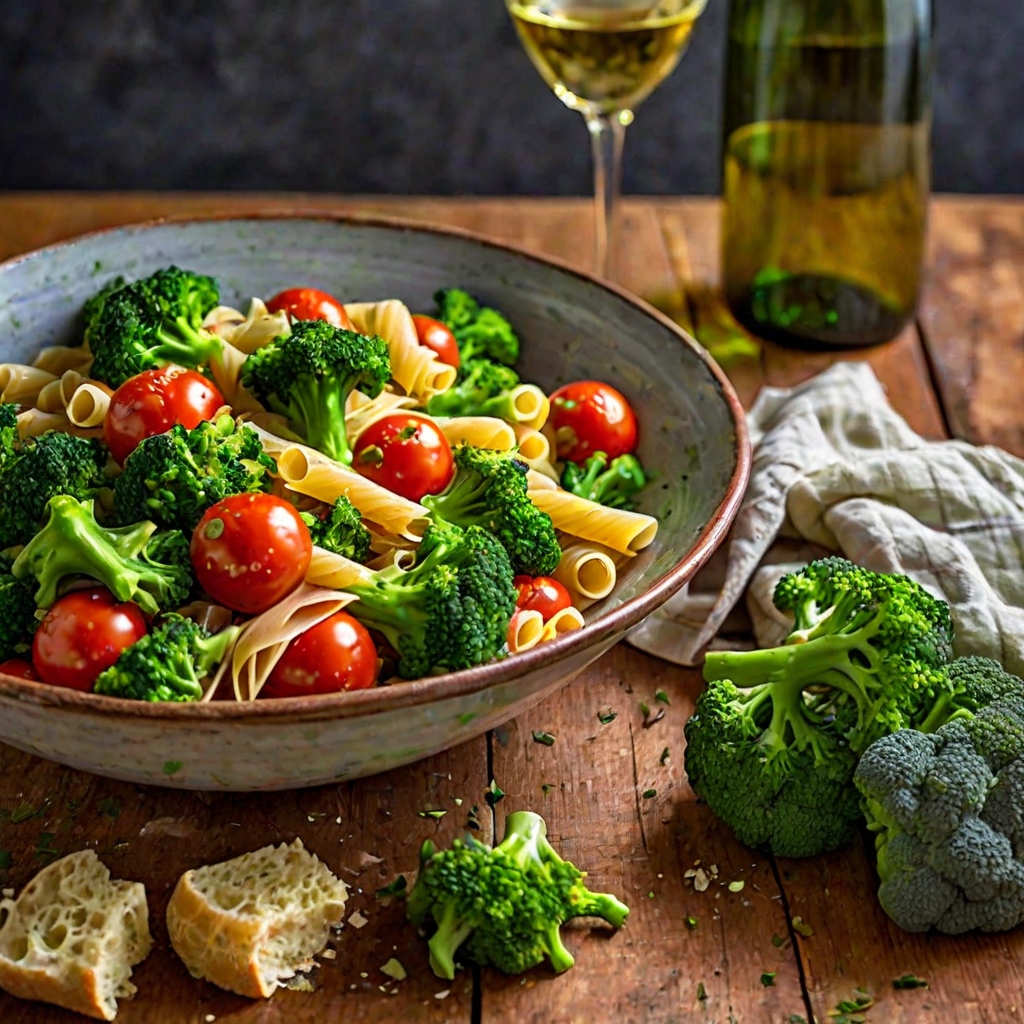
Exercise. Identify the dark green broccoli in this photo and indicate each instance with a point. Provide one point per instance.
(612, 485)
(94, 306)
(775, 738)
(173, 478)
(8, 432)
(136, 563)
(489, 490)
(974, 683)
(151, 323)
(485, 390)
(308, 375)
(504, 907)
(17, 616)
(41, 467)
(481, 332)
(948, 810)
(168, 664)
(451, 610)
(340, 529)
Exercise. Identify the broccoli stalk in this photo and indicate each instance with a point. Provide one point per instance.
(308, 375)
(136, 563)
(506, 904)
(340, 529)
(481, 332)
(484, 390)
(151, 323)
(612, 485)
(489, 489)
(167, 664)
(451, 610)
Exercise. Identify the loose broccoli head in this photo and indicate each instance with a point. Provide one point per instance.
(307, 376)
(480, 331)
(94, 306)
(451, 610)
(484, 390)
(612, 485)
(340, 529)
(775, 737)
(168, 664)
(17, 616)
(974, 682)
(150, 323)
(135, 563)
(503, 906)
(948, 810)
(489, 489)
(173, 478)
(40, 468)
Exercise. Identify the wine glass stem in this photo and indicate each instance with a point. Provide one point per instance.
(607, 134)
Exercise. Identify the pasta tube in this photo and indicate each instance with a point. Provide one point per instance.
(587, 571)
(525, 630)
(21, 384)
(615, 528)
(57, 359)
(478, 431)
(563, 621)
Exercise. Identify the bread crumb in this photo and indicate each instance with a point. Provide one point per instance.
(8, 894)
(329, 954)
(357, 920)
(209, 1017)
(443, 995)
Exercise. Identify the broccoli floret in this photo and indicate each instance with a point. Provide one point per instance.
(948, 810)
(307, 376)
(8, 432)
(41, 467)
(485, 390)
(135, 563)
(489, 489)
(612, 485)
(340, 529)
(479, 330)
(504, 906)
(173, 478)
(150, 323)
(774, 740)
(94, 307)
(974, 683)
(169, 663)
(451, 610)
(17, 616)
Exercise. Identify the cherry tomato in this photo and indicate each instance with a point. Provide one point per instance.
(310, 304)
(541, 594)
(82, 634)
(251, 550)
(589, 416)
(438, 338)
(152, 402)
(20, 668)
(336, 654)
(406, 454)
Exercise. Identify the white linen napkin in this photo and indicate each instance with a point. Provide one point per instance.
(837, 468)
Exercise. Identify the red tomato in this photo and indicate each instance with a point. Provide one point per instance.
(84, 633)
(310, 304)
(406, 454)
(152, 402)
(541, 594)
(336, 654)
(251, 550)
(589, 417)
(20, 668)
(438, 337)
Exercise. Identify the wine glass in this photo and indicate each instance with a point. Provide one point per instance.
(603, 58)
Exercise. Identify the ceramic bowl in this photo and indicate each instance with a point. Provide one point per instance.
(572, 326)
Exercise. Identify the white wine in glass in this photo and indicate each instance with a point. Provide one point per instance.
(603, 58)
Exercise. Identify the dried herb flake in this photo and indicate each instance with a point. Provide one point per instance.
(909, 981)
(493, 795)
(768, 978)
(546, 738)
(396, 888)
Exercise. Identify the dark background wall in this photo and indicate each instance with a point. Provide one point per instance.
(415, 96)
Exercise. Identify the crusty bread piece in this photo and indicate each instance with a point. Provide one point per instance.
(250, 923)
(73, 936)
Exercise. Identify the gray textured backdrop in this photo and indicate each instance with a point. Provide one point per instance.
(416, 96)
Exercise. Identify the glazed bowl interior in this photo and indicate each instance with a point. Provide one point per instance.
(571, 325)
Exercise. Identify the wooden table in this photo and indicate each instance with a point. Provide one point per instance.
(814, 923)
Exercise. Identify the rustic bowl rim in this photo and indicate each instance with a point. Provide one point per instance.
(452, 684)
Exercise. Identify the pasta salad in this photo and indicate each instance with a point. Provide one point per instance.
(307, 497)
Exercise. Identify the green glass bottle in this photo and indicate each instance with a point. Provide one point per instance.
(826, 167)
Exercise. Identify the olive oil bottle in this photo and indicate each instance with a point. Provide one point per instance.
(826, 167)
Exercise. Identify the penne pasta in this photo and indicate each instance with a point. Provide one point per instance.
(21, 384)
(479, 431)
(563, 621)
(361, 411)
(226, 368)
(307, 471)
(525, 630)
(58, 359)
(533, 445)
(264, 639)
(414, 367)
(87, 406)
(541, 481)
(33, 422)
(587, 571)
(530, 405)
(399, 558)
(249, 332)
(615, 528)
(327, 569)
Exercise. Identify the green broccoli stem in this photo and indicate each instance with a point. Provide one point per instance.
(181, 343)
(603, 905)
(462, 503)
(210, 651)
(316, 410)
(942, 712)
(418, 901)
(389, 610)
(561, 959)
(451, 933)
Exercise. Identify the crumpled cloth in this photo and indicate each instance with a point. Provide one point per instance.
(836, 468)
